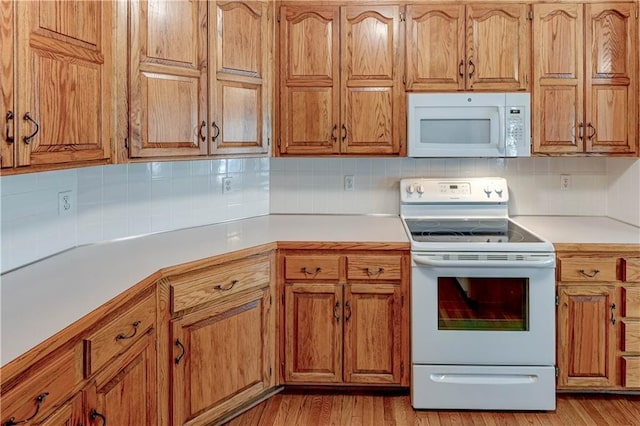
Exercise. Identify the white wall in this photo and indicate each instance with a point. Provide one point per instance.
(623, 197)
(124, 200)
(304, 185)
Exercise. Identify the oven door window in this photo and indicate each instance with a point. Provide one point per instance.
(491, 304)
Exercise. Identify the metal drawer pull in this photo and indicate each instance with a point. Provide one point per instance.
(613, 308)
(122, 336)
(313, 274)
(219, 286)
(374, 274)
(27, 117)
(9, 118)
(39, 399)
(347, 308)
(181, 346)
(592, 275)
(336, 309)
(95, 414)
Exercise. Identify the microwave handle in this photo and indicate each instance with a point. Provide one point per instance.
(502, 141)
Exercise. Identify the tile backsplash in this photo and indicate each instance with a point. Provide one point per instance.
(120, 201)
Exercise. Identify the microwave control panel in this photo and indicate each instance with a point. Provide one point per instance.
(515, 124)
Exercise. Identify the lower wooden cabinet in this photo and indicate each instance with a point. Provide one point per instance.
(344, 328)
(598, 319)
(68, 414)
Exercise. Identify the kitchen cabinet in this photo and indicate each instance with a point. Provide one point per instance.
(221, 336)
(344, 318)
(457, 47)
(57, 97)
(340, 80)
(597, 320)
(585, 97)
(199, 79)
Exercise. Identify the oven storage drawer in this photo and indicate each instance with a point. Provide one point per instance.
(587, 269)
(483, 387)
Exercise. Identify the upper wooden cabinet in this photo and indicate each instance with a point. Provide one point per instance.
(340, 80)
(199, 79)
(473, 47)
(585, 78)
(56, 86)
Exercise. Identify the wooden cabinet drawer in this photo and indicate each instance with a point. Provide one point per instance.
(191, 290)
(56, 381)
(631, 269)
(320, 267)
(365, 267)
(587, 269)
(631, 371)
(118, 335)
(631, 335)
(631, 302)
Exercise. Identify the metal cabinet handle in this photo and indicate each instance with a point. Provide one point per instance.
(94, 414)
(461, 68)
(613, 308)
(333, 133)
(200, 132)
(472, 68)
(591, 136)
(313, 274)
(12, 421)
(592, 275)
(344, 133)
(373, 274)
(7, 137)
(122, 336)
(27, 117)
(217, 133)
(347, 308)
(181, 346)
(336, 311)
(219, 286)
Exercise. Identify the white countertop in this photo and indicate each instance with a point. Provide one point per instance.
(581, 229)
(43, 298)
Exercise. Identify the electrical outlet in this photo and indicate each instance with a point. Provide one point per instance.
(565, 182)
(66, 203)
(226, 185)
(349, 183)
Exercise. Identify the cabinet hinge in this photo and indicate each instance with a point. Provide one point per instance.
(270, 300)
(403, 17)
(268, 141)
(402, 368)
(278, 17)
(279, 142)
(530, 15)
(270, 372)
(283, 299)
(404, 80)
(126, 143)
(557, 300)
(282, 368)
(402, 299)
(556, 367)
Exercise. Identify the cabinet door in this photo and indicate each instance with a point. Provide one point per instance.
(240, 45)
(168, 78)
(558, 76)
(313, 333)
(309, 80)
(372, 96)
(373, 327)
(498, 40)
(611, 77)
(7, 98)
(586, 336)
(69, 414)
(125, 391)
(64, 73)
(222, 357)
(435, 48)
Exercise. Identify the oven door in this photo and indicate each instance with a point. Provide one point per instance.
(483, 309)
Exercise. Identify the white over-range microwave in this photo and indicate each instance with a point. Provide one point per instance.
(469, 124)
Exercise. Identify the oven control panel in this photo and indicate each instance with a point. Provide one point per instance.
(465, 190)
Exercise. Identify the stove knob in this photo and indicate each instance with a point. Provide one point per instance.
(410, 189)
(420, 189)
(499, 192)
(488, 191)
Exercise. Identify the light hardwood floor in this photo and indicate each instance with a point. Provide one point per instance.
(306, 409)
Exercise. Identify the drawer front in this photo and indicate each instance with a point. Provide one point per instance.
(320, 267)
(631, 302)
(118, 335)
(216, 283)
(631, 269)
(374, 267)
(588, 269)
(55, 382)
(631, 335)
(631, 371)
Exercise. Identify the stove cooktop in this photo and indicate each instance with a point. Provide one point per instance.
(468, 231)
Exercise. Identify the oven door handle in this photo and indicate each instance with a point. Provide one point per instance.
(543, 263)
